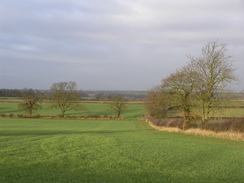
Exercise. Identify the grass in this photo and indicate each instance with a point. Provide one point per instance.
(227, 112)
(9, 108)
(231, 112)
(133, 111)
(10, 99)
(235, 103)
(197, 131)
(51, 150)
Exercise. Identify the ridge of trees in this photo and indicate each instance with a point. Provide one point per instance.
(95, 95)
(198, 88)
(64, 96)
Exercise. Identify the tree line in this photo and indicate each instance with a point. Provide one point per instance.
(14, 92)
(65, 96)
(86, 95)
(200, 88)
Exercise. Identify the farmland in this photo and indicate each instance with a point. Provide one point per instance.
(61, 150)
(128, 150)
(135, 109)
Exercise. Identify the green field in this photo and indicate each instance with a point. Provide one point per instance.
(61, 150)
(133, 111)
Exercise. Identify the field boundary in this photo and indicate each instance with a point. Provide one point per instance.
(197, 131)
(102, 117)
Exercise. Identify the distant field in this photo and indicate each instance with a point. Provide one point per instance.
(231, 112)
(133, 111)
(228, 112)
(124, 151)
(10, 99)
(19, 99)
(236, 103)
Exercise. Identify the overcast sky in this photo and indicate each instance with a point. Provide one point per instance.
(111, 44)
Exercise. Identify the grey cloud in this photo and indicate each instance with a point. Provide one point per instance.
(111, 44)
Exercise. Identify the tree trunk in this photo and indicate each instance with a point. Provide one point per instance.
(204, 119)
(119, 113)
(187, 121)
(30, 112)
(62, 115)
(187, 117)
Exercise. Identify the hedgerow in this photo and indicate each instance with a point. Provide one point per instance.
(235, 124)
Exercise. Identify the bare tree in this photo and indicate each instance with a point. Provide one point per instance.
(65, 96)
(179, 87)
(117, 104)
(31, 101)
(157, 103)
(215, 71)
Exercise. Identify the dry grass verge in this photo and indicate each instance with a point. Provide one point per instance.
(197, 131)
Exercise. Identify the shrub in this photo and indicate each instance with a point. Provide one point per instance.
(19, 116)
(71, 117)
(193, 125)
(3, 115)
(178, 122)
(11, 115)
(231, 124)
(53, 116)
(37, 116)
(95, 117)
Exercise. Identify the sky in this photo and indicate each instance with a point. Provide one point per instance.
(112, 44)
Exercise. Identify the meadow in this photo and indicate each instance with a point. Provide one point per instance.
(133, 111)
(62, 150)
(128, 150)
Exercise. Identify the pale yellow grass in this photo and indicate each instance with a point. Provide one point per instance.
(226, 135)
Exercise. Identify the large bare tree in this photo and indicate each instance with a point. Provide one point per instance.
(31, 101)
(179, 86)
(215, 72)
(157, 103)
(65, 96)
(202, 85)
(117, 104)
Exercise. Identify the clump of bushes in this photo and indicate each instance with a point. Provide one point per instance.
(7, 115)
(102, 117)
(232, 124)
(19, 116)
(177, 122)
